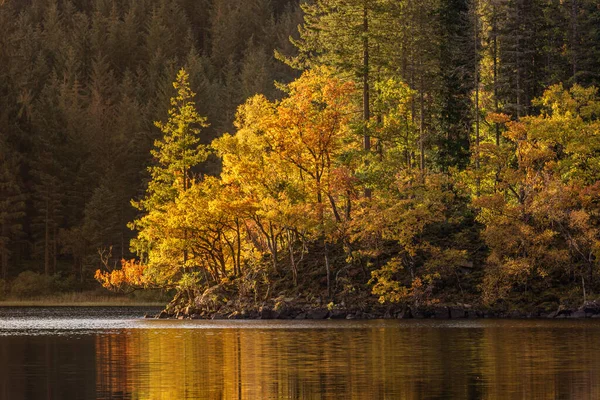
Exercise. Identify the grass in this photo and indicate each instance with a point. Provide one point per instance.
(81, 299)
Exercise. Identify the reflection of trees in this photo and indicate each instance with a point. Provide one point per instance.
(375, 363)
(47, 367)
(541, 363)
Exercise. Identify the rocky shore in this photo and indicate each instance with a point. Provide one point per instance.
(293, 309)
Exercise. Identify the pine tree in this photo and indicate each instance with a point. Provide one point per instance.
(12, 207)
(176, 155)
(457, 61)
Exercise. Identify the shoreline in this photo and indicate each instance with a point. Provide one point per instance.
(6, 304)
(590, 310)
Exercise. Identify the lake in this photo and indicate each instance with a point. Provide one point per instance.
(113, 353)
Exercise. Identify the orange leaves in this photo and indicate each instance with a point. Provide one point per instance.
(497, 118)
(131, 275)
(541, 218)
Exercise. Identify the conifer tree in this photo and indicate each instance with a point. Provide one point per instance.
(176, 155)
(12, 207)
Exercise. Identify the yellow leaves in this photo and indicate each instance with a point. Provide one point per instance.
(539, 219)
(386, 285)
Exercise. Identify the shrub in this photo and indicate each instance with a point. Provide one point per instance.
(30, 284)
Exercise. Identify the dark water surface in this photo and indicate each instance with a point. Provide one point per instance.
(110, 353)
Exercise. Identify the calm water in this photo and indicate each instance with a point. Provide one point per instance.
(88, 353)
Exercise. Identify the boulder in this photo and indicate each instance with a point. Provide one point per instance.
(553, 314)
(515, 314)
(457, 312)
(591, 307)
(417, 313)
(266, 312)
(404, 314)
(441, 313)
(578, 314)
(338, 314)
(317, 313)
(563, 311)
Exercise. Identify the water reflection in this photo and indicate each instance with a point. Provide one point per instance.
(395, 360)
(392, 362)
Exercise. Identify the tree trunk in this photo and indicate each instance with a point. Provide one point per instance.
(366, 108)
(4, 253)
(328, 269)
(477, 139)
(47, 241)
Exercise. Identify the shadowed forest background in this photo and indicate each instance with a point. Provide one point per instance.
(461, 163)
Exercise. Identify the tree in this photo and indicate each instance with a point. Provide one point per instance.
(351, 37)
(176, 155)
(12, 208)
(458, 60)
(541, 221)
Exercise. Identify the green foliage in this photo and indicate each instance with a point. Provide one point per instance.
(176, 154)
(31, 284)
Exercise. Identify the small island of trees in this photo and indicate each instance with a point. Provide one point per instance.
(424, 158)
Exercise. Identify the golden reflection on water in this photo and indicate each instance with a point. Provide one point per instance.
(391, 361)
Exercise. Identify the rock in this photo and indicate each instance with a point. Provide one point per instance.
(265, 312)
(220, 315)
(553, 314)
(235, 315)
(301, 316)
(457, 312)
(417, 313)
(148, 316)
(591, 307)
(515, 315)
(578, 314)
(163, 314)
(318, 313)
(404, 314)
(338, 314)
(282, 312)
(441, 313)
(181, 317)
(563, 311)
(596, 316)
(350, 316)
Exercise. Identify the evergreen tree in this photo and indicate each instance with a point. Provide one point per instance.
(458, 59)
(12, 208)
(176, 155)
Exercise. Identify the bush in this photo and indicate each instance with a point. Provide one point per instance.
(30, 284)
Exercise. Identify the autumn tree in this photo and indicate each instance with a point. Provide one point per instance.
(540, 217)
(176, 153)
